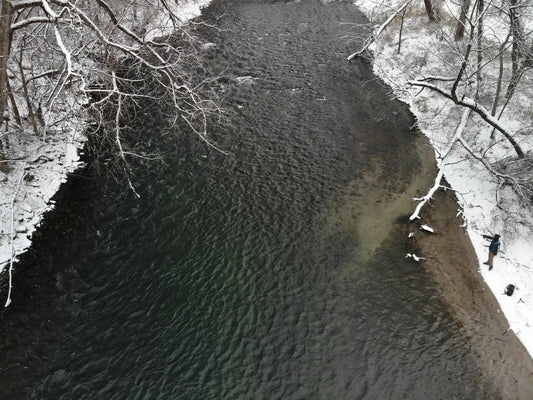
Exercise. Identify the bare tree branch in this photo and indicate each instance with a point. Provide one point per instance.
(95, 56)
(371, 40)
(441, 164)
(478, 109)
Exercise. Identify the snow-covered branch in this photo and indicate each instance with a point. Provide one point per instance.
(49, 10)
(24, 4)
(36, 20)
(477, 108)
(378, 32)
(423, 200)
(82, 41)
(522, 187)
(441, 164)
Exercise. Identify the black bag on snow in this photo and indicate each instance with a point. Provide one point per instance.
(509, 290)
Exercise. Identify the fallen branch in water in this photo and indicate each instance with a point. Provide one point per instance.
(457, 137)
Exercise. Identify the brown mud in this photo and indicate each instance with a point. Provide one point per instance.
(452, 263)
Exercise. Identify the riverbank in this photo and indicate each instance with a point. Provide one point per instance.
(33, 167)
(484, 207)
(451, 261)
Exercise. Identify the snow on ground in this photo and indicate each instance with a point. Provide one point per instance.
(37, 165)
(186, 11)
(424, 53)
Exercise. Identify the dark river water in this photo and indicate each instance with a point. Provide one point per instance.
(277, 271)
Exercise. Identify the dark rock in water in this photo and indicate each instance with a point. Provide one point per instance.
(404, 219)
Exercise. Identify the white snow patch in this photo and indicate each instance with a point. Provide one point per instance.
(414, 257)
(427, 228)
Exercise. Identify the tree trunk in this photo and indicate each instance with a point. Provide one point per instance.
(431, 11)
(480, 28)
(31, 113)
(6, 17)
(497, 94)
(518, 58)
(401, 30)
(460, 29)
(14, 107)
(516, 49)
(464, 64)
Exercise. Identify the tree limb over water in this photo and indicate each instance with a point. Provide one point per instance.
(475, 55)
(378, 32)
(99, 56)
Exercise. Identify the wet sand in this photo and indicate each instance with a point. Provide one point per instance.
(450, 261)
(453, 265)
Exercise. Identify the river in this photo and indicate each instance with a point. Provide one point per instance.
(277, 271)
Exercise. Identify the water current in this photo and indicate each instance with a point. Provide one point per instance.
(274, 272)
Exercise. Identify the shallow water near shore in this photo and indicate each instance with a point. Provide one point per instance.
(274, 272)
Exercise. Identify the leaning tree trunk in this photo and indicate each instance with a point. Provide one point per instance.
(431, 11)
(517, 47)
(480, 28)
(460, 28)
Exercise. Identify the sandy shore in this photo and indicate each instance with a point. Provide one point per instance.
(453, 264)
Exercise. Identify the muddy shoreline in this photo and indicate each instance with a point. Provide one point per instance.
(452, 263)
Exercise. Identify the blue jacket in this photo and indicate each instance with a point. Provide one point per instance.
(494, 246)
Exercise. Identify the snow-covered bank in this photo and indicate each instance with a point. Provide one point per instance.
(35, 165)
(425, 51)
(37, 168)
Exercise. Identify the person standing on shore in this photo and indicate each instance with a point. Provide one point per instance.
(493, 248)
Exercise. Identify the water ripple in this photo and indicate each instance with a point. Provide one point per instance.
(243, 276)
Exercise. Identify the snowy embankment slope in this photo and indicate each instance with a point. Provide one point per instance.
(38, 165)
(422, 54)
